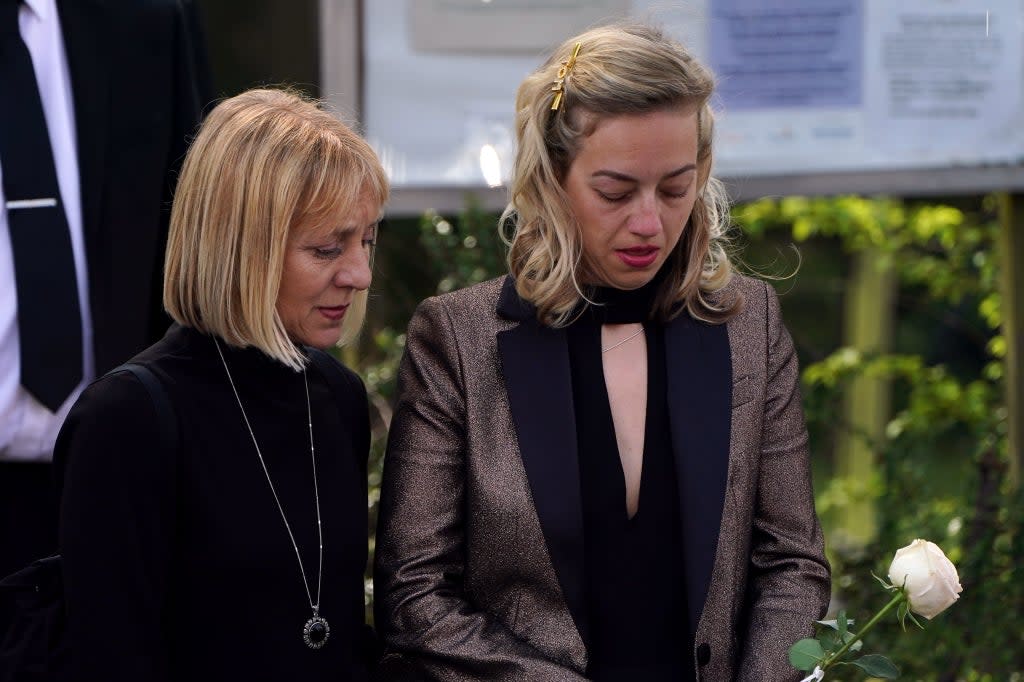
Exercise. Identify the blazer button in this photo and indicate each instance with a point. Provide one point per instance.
(703, 654)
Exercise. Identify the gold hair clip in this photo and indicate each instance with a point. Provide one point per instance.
(563, 71)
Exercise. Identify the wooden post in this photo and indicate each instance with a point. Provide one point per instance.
(341, 58)
(868, 323)
(1011, 235)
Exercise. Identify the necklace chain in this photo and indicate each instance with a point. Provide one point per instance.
(632, 336)
(316, 492)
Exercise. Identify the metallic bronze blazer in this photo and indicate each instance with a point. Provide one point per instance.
(479, 555)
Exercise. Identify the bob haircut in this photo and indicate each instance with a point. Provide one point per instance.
(621, 69)
(264, 162)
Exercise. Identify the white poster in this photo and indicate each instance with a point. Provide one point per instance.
(807, 87)
(946, 80)
(791, 84)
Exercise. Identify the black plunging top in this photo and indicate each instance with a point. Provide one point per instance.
(635, 587)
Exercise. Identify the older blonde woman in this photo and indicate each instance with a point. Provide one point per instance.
(597, 466)
(236, 548)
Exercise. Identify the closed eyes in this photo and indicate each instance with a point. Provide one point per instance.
(614, 198)
(330, 252)
(327, 253)
(621, 197)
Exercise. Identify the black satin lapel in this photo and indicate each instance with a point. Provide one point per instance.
(535, 364)
(699, 367)
(84, 24)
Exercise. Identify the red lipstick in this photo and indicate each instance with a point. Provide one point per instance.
(638, 256)
(333, 313)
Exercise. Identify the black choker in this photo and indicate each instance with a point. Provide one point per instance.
(624, 306)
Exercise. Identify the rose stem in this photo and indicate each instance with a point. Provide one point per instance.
(871, 623)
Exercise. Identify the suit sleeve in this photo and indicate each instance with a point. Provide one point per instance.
(422, 610)
(116, 529)
(789, 582)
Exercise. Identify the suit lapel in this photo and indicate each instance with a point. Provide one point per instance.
(699, 369)
(84, 24)
(535, 365)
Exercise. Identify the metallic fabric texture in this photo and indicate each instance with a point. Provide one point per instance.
(465, 585)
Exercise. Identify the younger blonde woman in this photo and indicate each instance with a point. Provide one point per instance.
(597, 466)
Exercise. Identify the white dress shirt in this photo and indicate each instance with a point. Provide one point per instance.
(28, 430)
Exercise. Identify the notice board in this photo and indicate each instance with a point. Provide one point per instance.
(933, 89)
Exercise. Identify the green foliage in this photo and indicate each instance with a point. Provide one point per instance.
(463, 252)
(944, 453)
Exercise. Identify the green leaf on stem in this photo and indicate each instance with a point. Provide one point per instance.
(806, 654)
(901, 615)
(914, 618)
(877, 666)
(884, 584)
(831, 641)
(841, 619)
(834, 624)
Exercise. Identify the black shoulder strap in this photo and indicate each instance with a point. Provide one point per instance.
(167, 422)
(168, 425)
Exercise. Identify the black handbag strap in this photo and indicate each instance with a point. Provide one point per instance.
(168, 424)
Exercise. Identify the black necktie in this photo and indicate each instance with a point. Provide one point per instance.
(49, 321)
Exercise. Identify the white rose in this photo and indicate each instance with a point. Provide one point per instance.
(929, 578)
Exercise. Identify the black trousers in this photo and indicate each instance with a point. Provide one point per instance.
(28, 514)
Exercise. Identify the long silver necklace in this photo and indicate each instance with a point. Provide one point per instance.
(316, 630)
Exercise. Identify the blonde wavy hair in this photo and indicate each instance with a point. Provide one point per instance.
(262, 163)
(624, 68)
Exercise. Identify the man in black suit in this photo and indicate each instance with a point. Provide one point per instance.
(119, 86)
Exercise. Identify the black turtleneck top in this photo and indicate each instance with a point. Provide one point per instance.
(635, 587)
(177, 563)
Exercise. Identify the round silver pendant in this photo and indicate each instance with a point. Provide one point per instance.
(316, 632)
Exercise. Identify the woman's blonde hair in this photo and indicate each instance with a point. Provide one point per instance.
(625, 68)
(263, 162)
